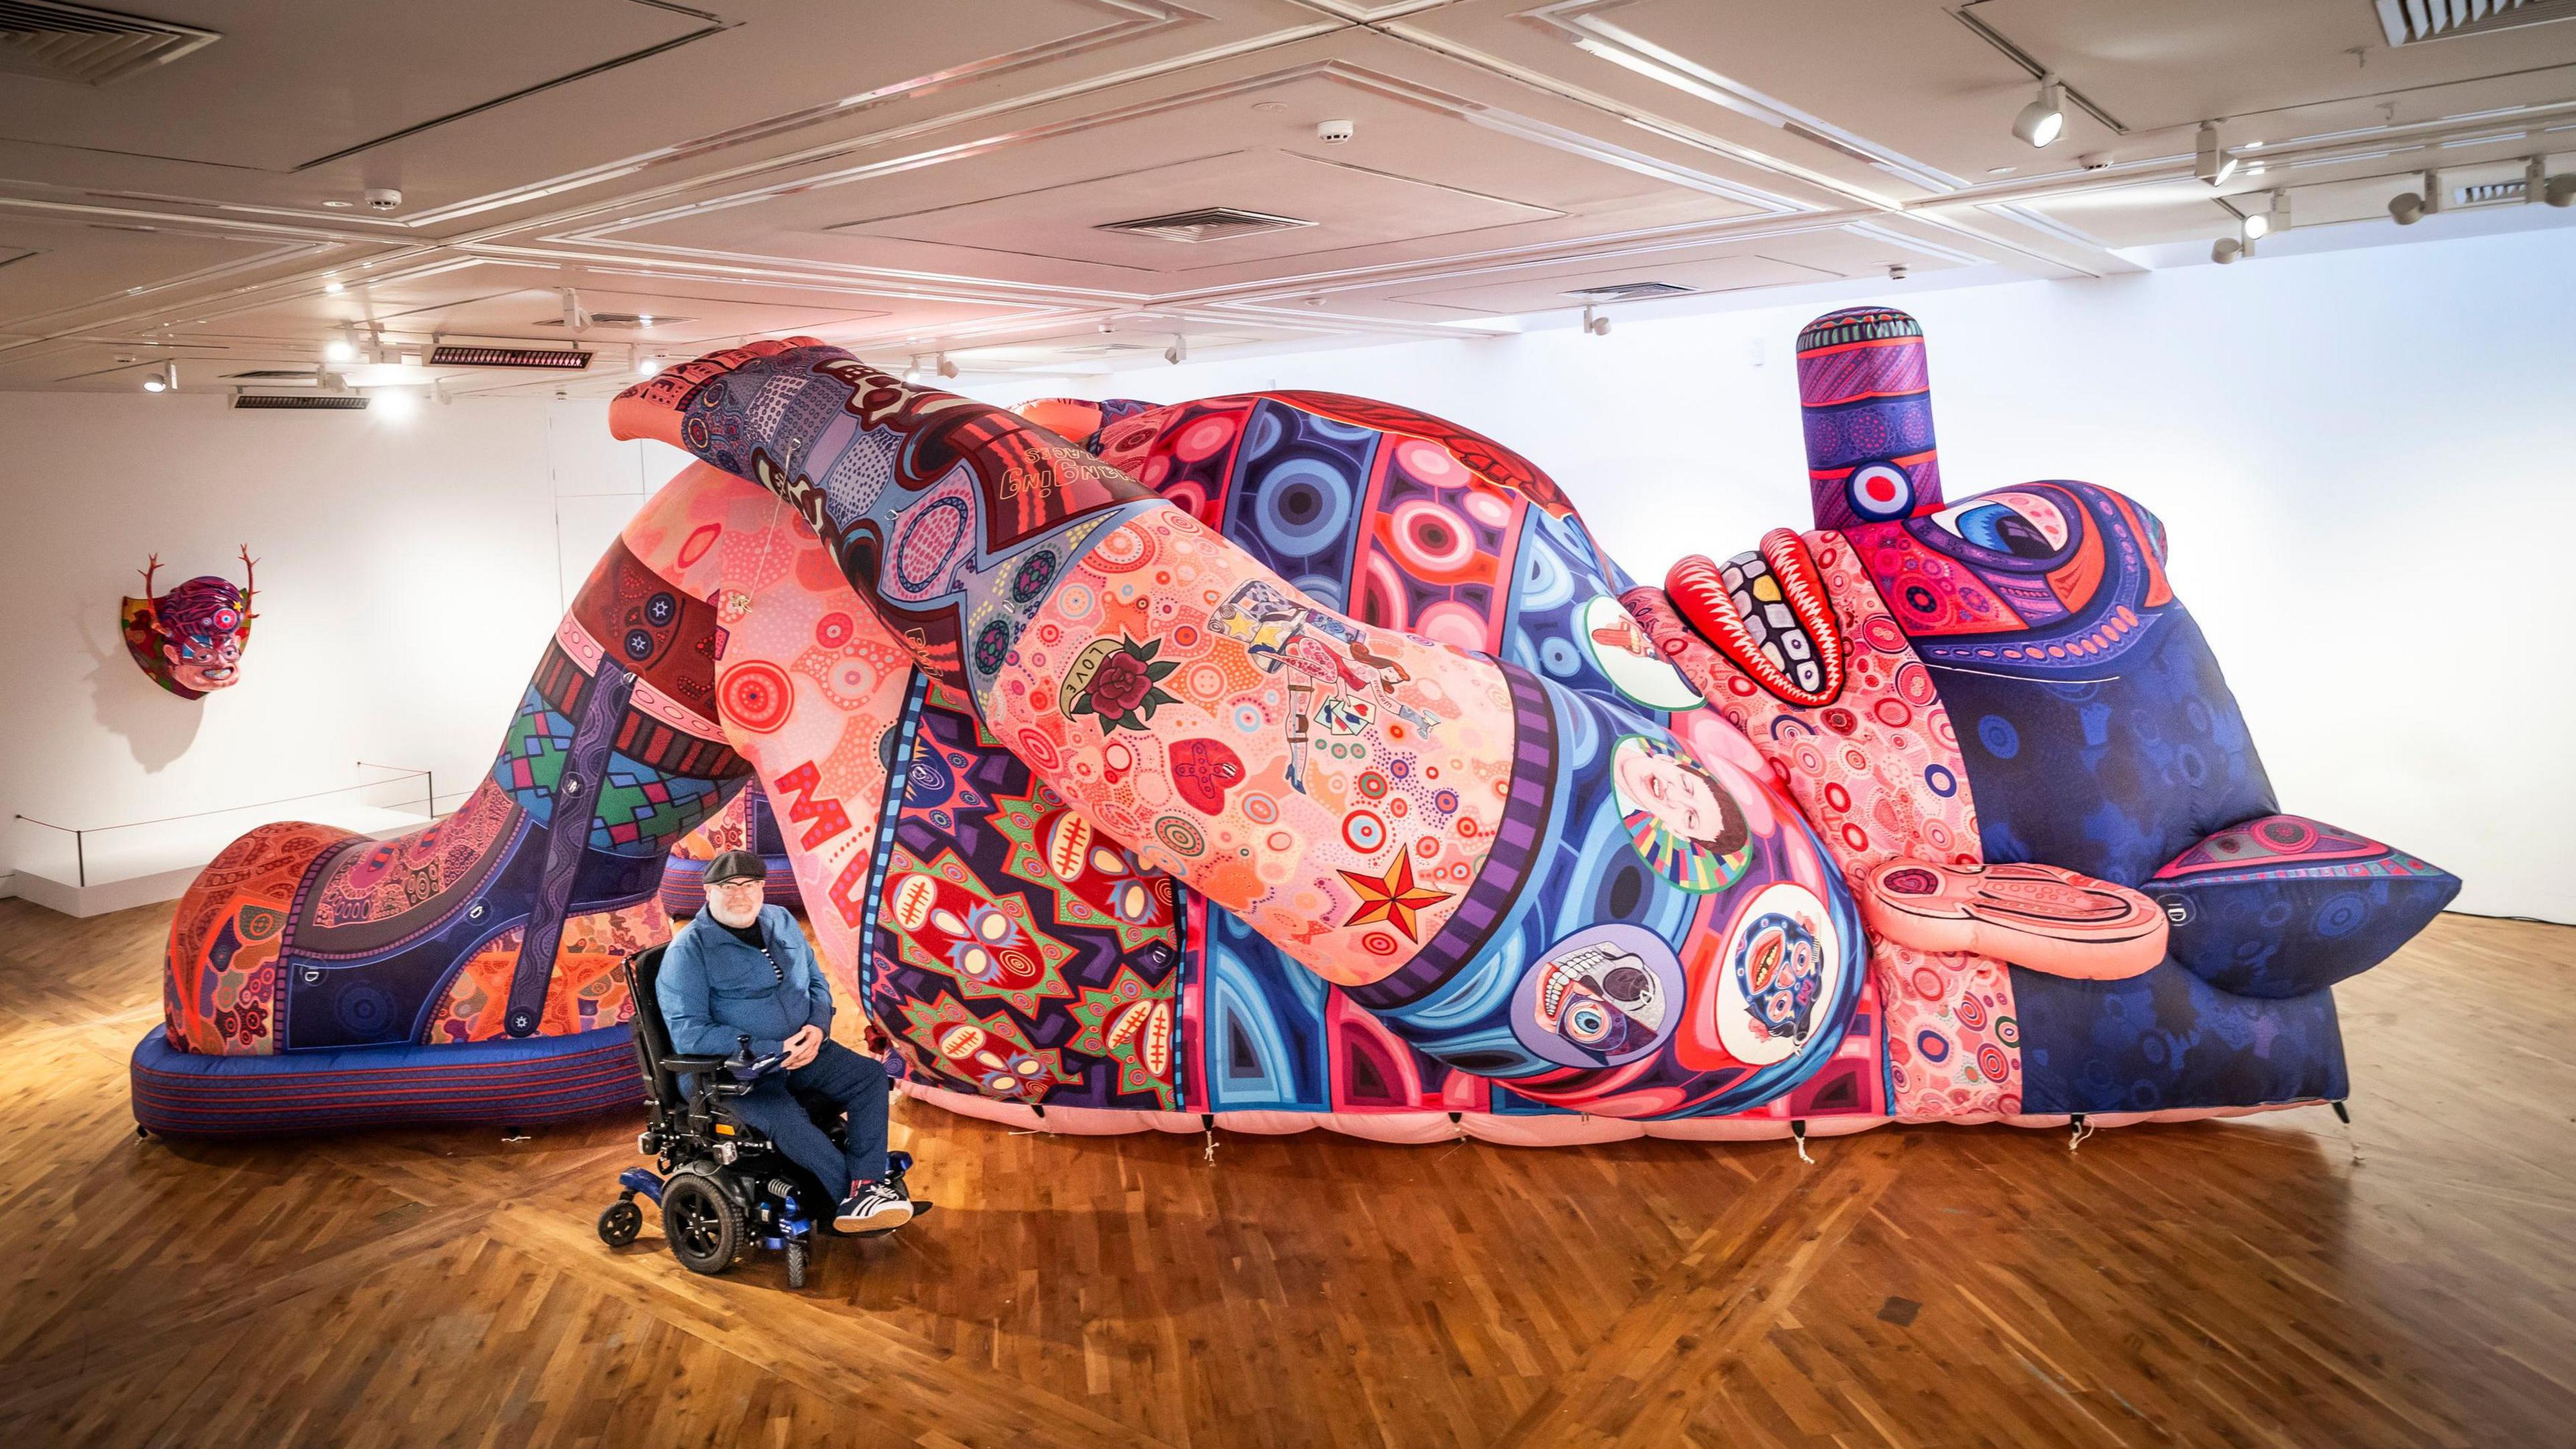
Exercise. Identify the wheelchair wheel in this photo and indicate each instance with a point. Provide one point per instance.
(704, 1226)
(619, 1222)
(795, 1262)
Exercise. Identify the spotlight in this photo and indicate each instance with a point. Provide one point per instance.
(2210, 161)
(165, 380)
(2257, 226)
(340, 348)
(1597, 326)
(1179, 351)
(331, 286)
(2557, 190)
(946, 367)
(2226, 250)
(2040, 122)
(2411, 207)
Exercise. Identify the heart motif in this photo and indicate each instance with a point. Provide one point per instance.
(1202, 770)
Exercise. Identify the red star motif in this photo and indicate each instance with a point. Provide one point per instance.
(1393, 897)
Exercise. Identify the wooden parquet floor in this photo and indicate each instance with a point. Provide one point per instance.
(2223, 1283)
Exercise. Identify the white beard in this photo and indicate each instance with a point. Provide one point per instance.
(740, 920)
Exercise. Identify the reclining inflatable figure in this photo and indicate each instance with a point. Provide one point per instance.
(1293, 759)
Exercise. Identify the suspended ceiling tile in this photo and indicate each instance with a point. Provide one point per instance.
(288, 84)
(1344, 205)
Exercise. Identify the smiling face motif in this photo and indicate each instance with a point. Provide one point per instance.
(1680, 818)
(190, 639)
(205, 664)
(1686, 801)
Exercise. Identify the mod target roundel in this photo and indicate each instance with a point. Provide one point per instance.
(1880, 491)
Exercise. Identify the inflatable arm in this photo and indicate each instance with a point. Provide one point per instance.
(1162, 680)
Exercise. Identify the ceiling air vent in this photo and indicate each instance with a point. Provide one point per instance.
(302, 402)
(2409, 21)
(1629, 292)
(2488, 193)
(1216, 223)
(88, 47)
(551, 358)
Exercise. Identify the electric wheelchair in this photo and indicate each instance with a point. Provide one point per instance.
(723, 1184)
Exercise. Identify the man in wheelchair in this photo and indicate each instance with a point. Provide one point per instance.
(741, 968)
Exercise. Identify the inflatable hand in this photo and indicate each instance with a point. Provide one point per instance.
(2019, 687)
(2037, 916)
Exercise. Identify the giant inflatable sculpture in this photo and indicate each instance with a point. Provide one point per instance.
(1294, 759)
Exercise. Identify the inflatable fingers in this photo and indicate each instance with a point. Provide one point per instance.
(2040, 916)
(2282, 906)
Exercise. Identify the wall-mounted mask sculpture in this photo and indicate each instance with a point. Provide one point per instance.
(190, 639)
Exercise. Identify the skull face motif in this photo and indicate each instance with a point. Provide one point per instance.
(1602, 997)
(190, 640)
(1603, 1000)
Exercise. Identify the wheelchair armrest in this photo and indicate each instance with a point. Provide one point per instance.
(693, 1064)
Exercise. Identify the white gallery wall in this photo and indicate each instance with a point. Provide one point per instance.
(2363, 457)
(2366, 460)
(410, 572)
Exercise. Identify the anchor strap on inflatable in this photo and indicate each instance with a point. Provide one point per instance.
(1768, 614)
(576, 803)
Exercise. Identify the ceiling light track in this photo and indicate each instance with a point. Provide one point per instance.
(2278, 155)
(2038, 72)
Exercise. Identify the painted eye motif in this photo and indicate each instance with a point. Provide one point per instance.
(1588, 1023)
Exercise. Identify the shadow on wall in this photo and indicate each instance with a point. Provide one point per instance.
(157, 725)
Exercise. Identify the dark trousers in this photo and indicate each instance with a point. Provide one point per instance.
(854, 1083)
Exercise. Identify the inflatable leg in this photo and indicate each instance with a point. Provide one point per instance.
(467, 969)
(1145, 668)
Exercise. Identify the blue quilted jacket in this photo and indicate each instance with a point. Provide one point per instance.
(715, 990)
